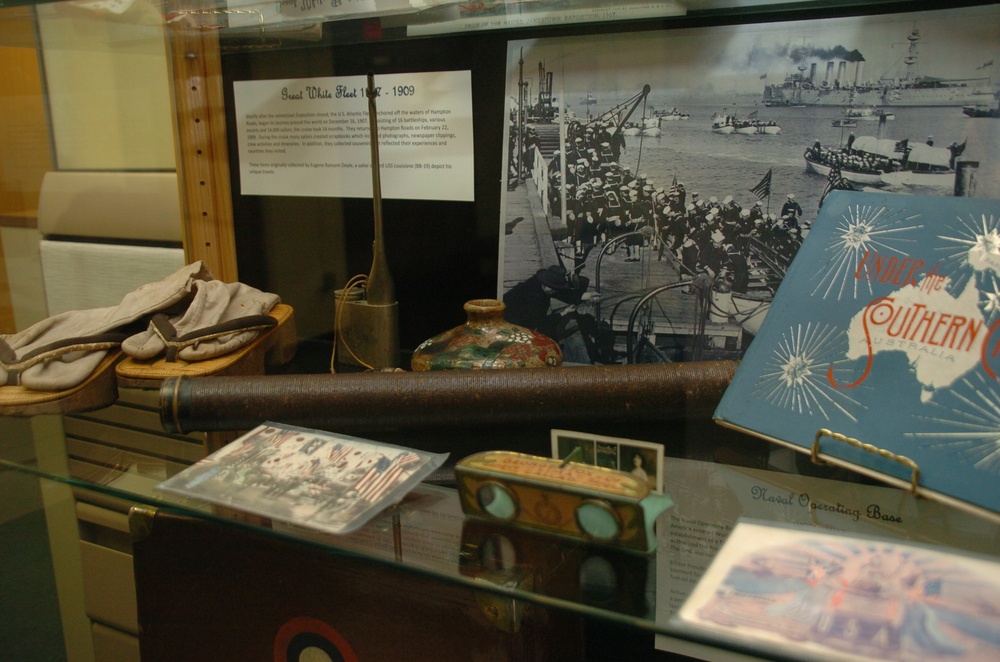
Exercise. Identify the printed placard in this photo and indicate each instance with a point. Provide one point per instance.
(312, 136)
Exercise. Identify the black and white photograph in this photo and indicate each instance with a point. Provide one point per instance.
(642, 459)
(658, 184)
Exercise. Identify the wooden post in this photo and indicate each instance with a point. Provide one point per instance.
(202, 152)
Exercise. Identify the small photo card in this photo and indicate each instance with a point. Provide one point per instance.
(643, 459)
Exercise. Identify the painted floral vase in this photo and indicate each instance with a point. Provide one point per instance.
(486, 341)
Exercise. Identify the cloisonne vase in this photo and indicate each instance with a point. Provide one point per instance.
(486, 341)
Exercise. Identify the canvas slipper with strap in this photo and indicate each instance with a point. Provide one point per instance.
(175, 343)
(220, 318)
(84, 353)
(61, 351)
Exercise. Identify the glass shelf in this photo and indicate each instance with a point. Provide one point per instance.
(428, 535)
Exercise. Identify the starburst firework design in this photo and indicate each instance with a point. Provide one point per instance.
(972, 249)
(991, 303)
(860, 230)
(794, 376)
(965, 422)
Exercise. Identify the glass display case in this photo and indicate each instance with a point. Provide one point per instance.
(142, 136)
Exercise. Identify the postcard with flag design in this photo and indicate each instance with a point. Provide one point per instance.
(334, 483)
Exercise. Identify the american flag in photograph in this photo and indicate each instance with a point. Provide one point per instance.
(281, 436)
(384, 475)
(339, 451)
(251, 446)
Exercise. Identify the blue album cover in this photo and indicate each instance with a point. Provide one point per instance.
(885, 331)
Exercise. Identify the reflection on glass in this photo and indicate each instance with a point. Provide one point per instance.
(598, 579)
(497, 552)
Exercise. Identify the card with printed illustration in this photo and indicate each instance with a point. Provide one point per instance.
(884, 330)
(830, 596)
(316, 479)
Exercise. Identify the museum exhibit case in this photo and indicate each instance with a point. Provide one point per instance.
(631, 180)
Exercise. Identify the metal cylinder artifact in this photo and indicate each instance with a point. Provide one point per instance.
(368, 326)
(447, 399)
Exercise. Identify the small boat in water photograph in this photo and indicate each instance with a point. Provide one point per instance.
(672, 176)
(749, 126)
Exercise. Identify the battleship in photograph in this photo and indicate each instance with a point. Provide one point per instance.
(657, 239)
(843, 82)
